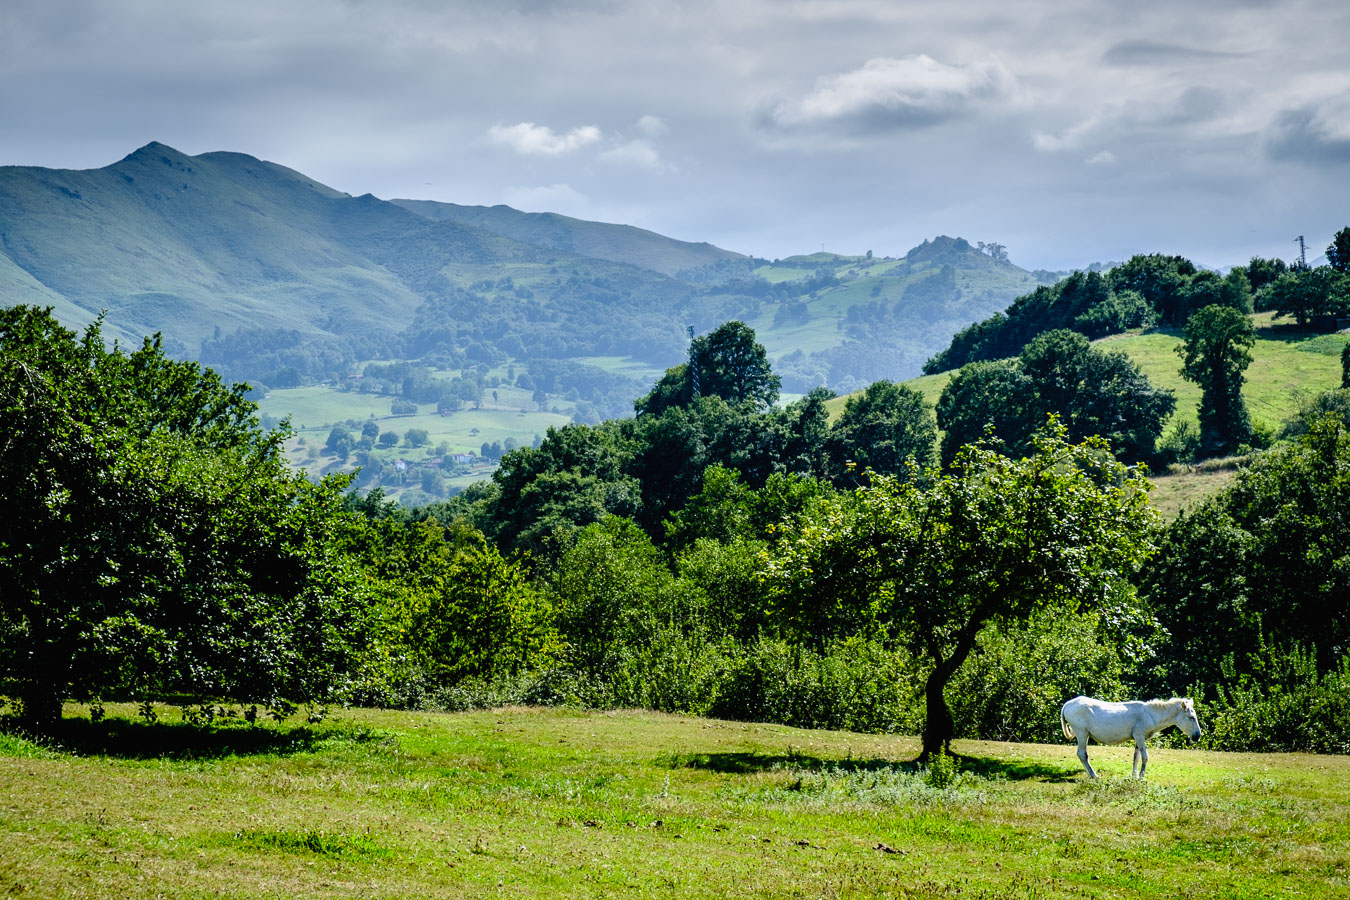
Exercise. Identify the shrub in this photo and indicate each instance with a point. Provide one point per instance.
(1013, 685)
(1288, 707)
(853, 684)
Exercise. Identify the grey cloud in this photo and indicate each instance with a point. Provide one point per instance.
(1152, 53)
(398, 97)
(1300, 135)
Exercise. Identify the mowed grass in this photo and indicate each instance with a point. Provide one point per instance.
(563, 803)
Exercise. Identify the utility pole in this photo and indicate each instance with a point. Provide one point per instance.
(693, 363)
(1302, 253)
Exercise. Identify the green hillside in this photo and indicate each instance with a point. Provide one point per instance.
(200, 247)
(273, 278)
(1288, 364)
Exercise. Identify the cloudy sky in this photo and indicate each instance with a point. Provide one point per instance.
(1068, 131)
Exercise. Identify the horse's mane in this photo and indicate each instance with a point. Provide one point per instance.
(1162, 705)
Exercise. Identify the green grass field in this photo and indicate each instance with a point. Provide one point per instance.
(562, 803)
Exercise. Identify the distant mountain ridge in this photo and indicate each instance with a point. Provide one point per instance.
(601, 240)
(272, 277)
(187, 244)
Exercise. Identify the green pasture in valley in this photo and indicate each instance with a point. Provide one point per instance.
(313, 411)
(564, 803)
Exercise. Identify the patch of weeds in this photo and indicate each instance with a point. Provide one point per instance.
(334, 845)
(1262, 787)
(16, 746)
(942, 770)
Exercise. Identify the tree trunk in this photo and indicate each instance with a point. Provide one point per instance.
(938, 727)
(39, 710)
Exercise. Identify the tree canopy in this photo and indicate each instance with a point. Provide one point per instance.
(882, 429)
(153, 538)
(1058, 373)
(729, 363)
(989, 539)
(1265, 563)
(1215, 354)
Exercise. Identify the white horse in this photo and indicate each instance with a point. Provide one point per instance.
(1112, 723)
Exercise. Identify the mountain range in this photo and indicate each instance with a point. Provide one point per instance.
(271, 276)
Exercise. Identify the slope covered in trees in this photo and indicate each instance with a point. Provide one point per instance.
(1154, 289)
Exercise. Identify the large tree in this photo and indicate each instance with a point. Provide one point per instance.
(1338, 251)
(1215, 354)
(987, 399)
(1058, 373)
(153, 538)
(727, 363)
(991, 539)
(885, 428)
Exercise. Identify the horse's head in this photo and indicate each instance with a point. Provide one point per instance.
(1186, 720)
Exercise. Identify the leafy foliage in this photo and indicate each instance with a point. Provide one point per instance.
(1216, 353)
(993, 539)
(1144, 290)
(154, 539)
(1307, 294)
(884, 429)
(1264, 564)
(1093, 392)
(727, 363)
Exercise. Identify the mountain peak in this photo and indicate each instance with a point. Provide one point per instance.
(155, 150)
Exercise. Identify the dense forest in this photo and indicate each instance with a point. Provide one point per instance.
(716, 553)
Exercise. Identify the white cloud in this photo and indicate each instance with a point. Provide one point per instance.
(1102, 158)
(531, 139)
(652, 126)
(888, 93)
(639, 153)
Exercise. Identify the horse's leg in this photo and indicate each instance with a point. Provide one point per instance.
(1082, 754)
(1140, 755)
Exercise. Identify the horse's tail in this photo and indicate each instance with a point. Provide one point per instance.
(1065, 726)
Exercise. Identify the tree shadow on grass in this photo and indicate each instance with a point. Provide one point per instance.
(1288, 332)
(746, 763)
(1015, 769)
(129, 739)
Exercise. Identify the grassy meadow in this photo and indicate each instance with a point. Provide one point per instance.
(564, 803)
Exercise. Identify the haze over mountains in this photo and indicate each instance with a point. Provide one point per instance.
(271, 276)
